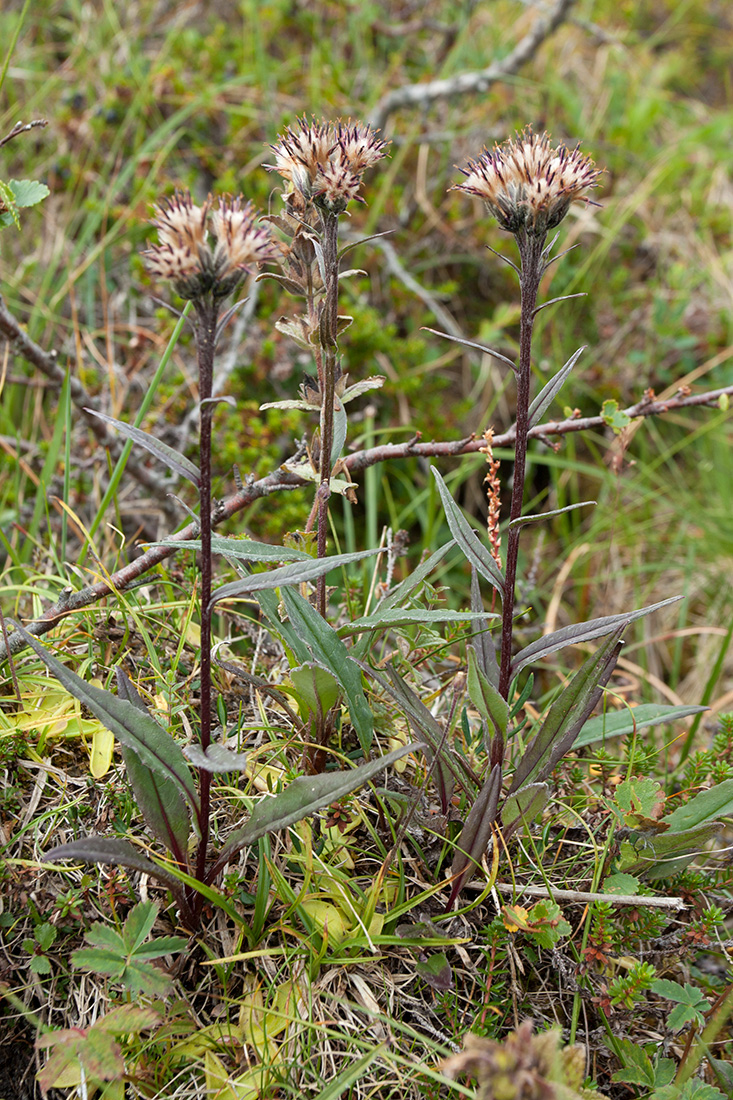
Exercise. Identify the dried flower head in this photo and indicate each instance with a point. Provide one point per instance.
(527, 184)
(185, 256)
(325, 161)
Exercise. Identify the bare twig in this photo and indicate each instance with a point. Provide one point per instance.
(507, 888)
(283, 479)
(47, 363)
(420, 95)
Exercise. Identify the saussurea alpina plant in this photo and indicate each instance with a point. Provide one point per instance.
(204, 252)
(323, 164)
(528, 186)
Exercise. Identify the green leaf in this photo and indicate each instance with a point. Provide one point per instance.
(620, 723)
(101, 935)
(171, 458)
(682, 1015)
(551, 389)
(408, 617)
(614, 417)
(567, 714)
(139, 925)
(522, 521)
(216, 758)
(436, 971)
(581, 632)
(239, 549)
(329, 650)
(8, 198)
(476, 833)
(485, 697)
(639, 797)
(467, 538)
(637, 1065)
(525, 805)
(621, 883)
(140, 977)
(155, 748)
(297, 573)
(159, 798)
(28, 192)
(316, 687)
(548, 924)
(304, 796)
(110, 850)
(45, 936)
(704, 807)
(99, 961)
(39, 964)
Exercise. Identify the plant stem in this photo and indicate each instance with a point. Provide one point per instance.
(329, 331)
(207, 311)
(532, 267)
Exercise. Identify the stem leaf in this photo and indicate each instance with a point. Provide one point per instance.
(173, 459)
(467, 538)
(551, 389)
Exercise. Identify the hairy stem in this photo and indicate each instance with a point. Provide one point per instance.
(329, 331)
(532, 266)
(207, 311)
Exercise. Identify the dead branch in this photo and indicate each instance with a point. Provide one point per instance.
(420, 95)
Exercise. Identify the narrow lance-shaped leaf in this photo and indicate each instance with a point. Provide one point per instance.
(304, 796)
(239, 549)
(114, 852)
(394, 616)
(426, 726)
(159, 798)
(155, 748)
(173, 459)
(467, 538)
(474, 346)
(429, 729)
(298, 573)
(581, 632)
(706, 805)
(485, 696)
(328, 648)
(523, 807)
(483, 643)
(476, 833)
(620, 723)
(522, 521)
(567, 714)
(551, 389)
(216, 758)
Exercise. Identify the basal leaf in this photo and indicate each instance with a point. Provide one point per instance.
(622, 723)
(114, 852)
(171, 458)
(316, 687)
(525, 806)
(581, 632)
(467, 538)
(305, 795)
(476, 833)
(154, 747)
(329, 650)
(298, 573)
(705, 806)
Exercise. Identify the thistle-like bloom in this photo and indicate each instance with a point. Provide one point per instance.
(527, 184)
(325, 161)
(185, 255)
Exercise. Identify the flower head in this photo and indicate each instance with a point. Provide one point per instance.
(185, 255)
(325, 161)
(527, 184)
